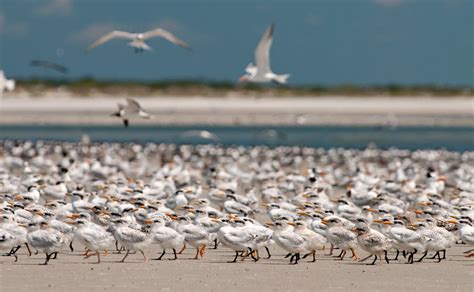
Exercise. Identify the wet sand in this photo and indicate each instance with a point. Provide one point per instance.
(212, 273)
(382, 110)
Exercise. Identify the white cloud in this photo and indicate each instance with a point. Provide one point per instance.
(92, 32)
(55, 7)
(389, 3)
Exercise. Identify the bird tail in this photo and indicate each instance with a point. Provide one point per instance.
(282, 79)
(10, 85)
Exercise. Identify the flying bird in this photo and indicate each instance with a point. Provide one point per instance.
(200, 134)
(5, 84)
(131, 110)
(138, 39)
(262, 73)
(49, 65)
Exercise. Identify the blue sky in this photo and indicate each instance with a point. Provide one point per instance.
(320, 42)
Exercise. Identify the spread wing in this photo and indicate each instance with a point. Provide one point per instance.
(111, 35)
(262, 52)
(133, 106)
(159, 32)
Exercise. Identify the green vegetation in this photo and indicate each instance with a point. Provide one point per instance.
(89, 86)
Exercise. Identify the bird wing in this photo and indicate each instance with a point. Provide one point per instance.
(132, 106)
(262, 52)
(132, 235)
(343, 234)
(159, 32)
(111, 35)
(50, 65)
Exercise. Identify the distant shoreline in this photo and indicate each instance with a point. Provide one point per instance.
(58, 108)
(88, 87)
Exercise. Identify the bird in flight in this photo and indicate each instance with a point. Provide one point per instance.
(48, 65)
(138, 39)
(130, 110)
(262, 73)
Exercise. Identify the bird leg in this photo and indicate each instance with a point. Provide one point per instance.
(202, 251)
(89, 255)
(126, 255)
(297, 258)
(98, 257)
(444, 254)
(144, 256)
(268, 252)
(386, 257)
(175, 256)
(47, 258)
(197, 254)
(343, 254)
(354, 255)
(106, 252)
(288, 255)
(87, 252)
(468, 251)
(439, 256)
(292, 257)
(375, 259)
(420, 259)
(182, 249)
(235, 258)
(469, 255)
(216, 243)
(55, 255)
(252, 252)
(162, 254)
(28, 248)
(396, 257)
(71, 247)
(366, 258)
(331, 250)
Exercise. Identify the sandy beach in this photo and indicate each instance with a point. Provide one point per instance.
(212, 273)
(182, 110)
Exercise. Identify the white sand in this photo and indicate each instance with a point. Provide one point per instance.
(243, 110)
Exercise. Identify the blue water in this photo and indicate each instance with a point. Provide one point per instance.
(451, 138)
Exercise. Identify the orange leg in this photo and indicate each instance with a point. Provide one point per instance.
(181, 251)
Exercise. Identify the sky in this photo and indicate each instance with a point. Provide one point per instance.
(318, 42)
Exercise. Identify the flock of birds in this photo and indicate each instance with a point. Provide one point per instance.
(159, 198)
(261, 72)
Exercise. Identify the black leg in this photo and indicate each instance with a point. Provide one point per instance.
(28, 248)
(366, 258)
(386, 257)
(216, 243)
(175, 256)
(404, 253)
(375, 259)
(71, 247)
(268, 252)
(396, 257)
(55, 256)
(439, 256)
(288, 255)
(444, 254)
(162, 254)
(340, 255)
(314, 257)
(252, 256)
(420, 259)
(292, 257)
(297, 258)
(235, 258)
(48, 256)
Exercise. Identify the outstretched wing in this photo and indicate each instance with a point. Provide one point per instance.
(262, 52)
(111, 35)
(159, 32)
(133, 106)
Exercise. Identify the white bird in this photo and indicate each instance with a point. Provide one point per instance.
(166, 237)
(5, 84)
(262, 73)
(340, 237)
(138, 39)
(131, 110)
(93, 237)
(48, 240)
(196, 236)
(373, 242)
(131, 239)
(314, 240)
(289, 240)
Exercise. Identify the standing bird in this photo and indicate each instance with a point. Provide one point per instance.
(262, 73)
(130, 110)
(138, 39)
(373, 242)
(5, 84)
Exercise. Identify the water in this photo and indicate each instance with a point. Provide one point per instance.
(451, 138)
